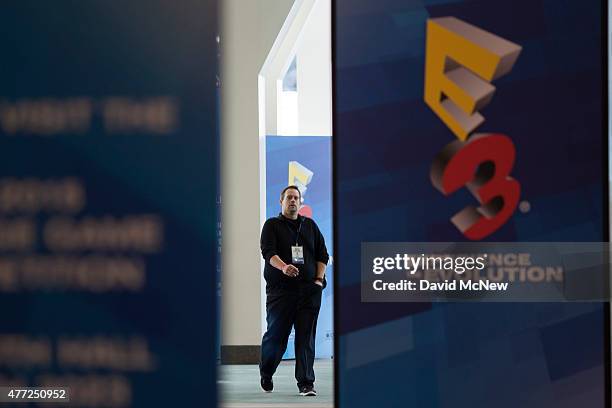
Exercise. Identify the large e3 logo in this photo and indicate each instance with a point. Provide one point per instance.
(461, 61)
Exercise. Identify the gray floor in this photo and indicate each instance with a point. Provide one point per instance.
(239, 387)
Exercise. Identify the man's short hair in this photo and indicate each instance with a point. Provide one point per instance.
(289, 188)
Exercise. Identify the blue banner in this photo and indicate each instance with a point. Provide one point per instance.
(402, 174)
(108, 225)
(307, 161)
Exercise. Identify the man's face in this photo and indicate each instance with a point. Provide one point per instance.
(290, 202)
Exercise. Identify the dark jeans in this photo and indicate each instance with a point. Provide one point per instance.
(286, 308)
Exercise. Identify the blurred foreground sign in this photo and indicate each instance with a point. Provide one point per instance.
(108, 183)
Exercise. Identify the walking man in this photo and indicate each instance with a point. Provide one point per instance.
(295, 261)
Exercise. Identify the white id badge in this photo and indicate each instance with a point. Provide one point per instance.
(297, 254)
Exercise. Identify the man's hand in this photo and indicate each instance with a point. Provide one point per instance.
(319, 282)
(287, 269)
(291, 270)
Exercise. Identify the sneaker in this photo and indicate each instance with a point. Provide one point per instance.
(308, 391)
(266, 384)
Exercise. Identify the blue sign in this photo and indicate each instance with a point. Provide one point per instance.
(552, 106)
(108, 225)
(307, 161)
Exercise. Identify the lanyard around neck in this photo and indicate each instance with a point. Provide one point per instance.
(297, 234)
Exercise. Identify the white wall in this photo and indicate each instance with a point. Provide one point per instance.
(249, 30)
(314, 73)
(305, 36)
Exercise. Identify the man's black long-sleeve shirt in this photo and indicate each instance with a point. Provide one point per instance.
(278, 235)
